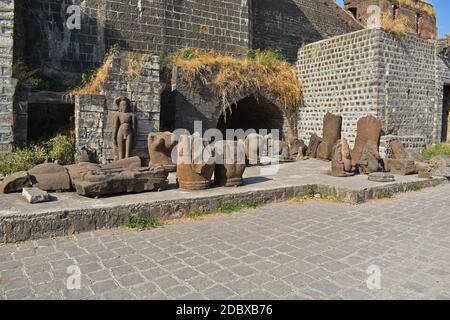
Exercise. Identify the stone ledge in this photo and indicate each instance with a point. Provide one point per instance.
(30, 226)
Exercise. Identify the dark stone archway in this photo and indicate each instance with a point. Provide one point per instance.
(445, 115)
(252, 112)
(254, 109)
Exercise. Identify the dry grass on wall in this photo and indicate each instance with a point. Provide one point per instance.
(92, 81)
(230, 76)
(134, 62)
(419, 6)
(396, 26)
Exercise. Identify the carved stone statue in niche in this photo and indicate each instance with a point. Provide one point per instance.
(124, 128)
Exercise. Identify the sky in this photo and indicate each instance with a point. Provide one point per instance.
(443, 14)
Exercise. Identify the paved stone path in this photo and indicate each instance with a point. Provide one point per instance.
(309, 250)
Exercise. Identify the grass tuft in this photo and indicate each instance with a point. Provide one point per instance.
(225, 208)
(143, 223)
(92, 81)
(436, 150)
(396, 26)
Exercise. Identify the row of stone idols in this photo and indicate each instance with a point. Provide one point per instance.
(196, 162)
(365, 157)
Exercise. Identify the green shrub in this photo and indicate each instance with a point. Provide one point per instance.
(265, 57)
(61, 149)
(436, 150)
(22, 159)
(143, 223)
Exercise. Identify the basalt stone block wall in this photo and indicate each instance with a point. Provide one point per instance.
(7, 86)
(373, 72)
(287, 24)
(409, 80)
(339, 75)
(94, 113)
(153, 26)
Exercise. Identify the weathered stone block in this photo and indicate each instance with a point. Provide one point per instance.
(15, 182)
(400, 166)
(35, 195)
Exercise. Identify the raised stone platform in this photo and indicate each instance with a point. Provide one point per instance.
(69, 213)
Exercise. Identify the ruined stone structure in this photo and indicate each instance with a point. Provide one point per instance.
(418, 19)
(372, 72)
(94, 114)
(44, 41)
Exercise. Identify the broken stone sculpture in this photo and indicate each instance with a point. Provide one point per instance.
(77, 170)
(15, 182)
(381, 177)
(35, 195)
(398, 151)
(124, 128)
(230, 163)
(103, 182)
(314, 143)
(332, 125)
(400, 166)
(297, 147)
(195, 162)
(370, 160)
(423, 167)
(281, 150)
(341, 161)
(50, 177)
(368, 129)
(160, 147)
(254, 146)
(285, 152)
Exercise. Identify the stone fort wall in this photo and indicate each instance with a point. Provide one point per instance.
(288, 24)
(153, 26)
(6, 85)
(157, 26)
(372, 72)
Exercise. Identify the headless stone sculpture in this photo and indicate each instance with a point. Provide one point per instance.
(398, 151)
(297, 147)
(314, 143)
(341, 160)
(331, 133)
(230, 166)
(195, 162)
(368, 129)
(369, 161)
(254, 146)
(124, 128)
(160, 147)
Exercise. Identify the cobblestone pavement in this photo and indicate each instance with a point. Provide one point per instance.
(309, 250)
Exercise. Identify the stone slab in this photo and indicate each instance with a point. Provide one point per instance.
(35, 195)
(381, 177)
(71, 213)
